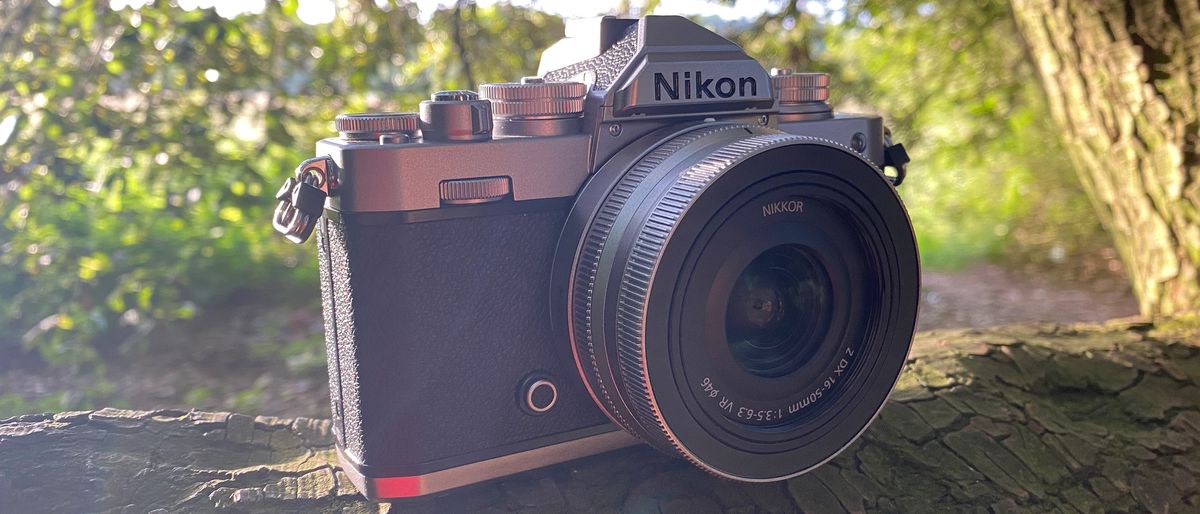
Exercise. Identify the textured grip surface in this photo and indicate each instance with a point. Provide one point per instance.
(437, 324)
(340, 314)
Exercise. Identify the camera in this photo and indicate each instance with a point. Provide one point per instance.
(654, 240)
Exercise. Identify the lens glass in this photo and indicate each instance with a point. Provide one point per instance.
(778, 311)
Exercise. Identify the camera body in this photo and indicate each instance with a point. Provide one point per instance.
(445, 244)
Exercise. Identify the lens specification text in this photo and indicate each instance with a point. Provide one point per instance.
(713, 393)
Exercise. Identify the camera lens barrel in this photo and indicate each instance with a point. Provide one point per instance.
(741, 296)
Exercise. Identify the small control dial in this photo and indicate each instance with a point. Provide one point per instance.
(795, 88)
(537, 394)
(802, 95)
(534, 107)
(474, 190)
(378, 126)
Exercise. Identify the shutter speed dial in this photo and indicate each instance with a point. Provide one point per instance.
(534, 107)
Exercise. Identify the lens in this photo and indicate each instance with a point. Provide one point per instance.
(778, 311)
(739, 296)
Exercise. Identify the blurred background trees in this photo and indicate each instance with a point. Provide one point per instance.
(1124, 90)
(955, 84)
(140, 144)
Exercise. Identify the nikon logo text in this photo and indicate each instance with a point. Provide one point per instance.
(781, 207)
(698, 87)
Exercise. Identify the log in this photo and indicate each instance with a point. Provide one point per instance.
(1024, 418)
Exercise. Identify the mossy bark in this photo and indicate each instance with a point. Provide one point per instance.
(1027, 418)
(1122, 79)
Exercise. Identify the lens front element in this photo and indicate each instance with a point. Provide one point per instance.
(740, 296)
(779, 311)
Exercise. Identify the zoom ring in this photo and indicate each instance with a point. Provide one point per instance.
(589, 263)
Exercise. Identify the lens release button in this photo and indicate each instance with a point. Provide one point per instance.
(539, 395)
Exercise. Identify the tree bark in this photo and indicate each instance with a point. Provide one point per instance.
(1122, 79)
(1027, 418)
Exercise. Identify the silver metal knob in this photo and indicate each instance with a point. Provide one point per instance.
(534, 107)
(535, 97)
(373, 126)
(801, 93)
(794, 88)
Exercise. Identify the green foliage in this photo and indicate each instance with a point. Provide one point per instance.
(136, 183)
(989, 178)
(89, 396)
(139, 148)
(15, 404)
(198, 395)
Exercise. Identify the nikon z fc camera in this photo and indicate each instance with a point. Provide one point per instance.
(655, 240)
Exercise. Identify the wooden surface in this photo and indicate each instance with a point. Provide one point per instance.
(1005, 420)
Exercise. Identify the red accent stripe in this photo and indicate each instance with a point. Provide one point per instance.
(397, 487)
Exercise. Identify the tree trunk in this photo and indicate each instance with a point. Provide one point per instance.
(1100, 418)
(1122, 79)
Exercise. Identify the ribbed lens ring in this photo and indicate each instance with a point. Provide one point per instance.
(626, 395)
(651, 252)
(643, 263)
(588, 268)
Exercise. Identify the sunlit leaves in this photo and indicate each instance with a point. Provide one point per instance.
(988, 176)
(141, 146)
